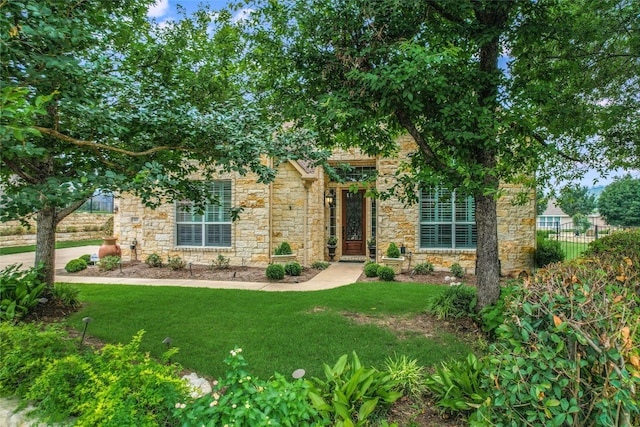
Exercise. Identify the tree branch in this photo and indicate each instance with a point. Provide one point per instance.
(446, 15)
(430, 156)
(18, 171)
(95, 145)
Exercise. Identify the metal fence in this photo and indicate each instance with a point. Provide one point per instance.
(98, 203)
(574, 241)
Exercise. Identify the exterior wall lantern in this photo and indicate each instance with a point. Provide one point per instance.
(330, 197)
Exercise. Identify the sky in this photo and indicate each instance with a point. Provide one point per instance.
(166, 10)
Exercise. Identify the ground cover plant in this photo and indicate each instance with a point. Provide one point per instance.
(313, 327)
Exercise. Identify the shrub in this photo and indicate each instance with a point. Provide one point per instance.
(371, 269)
(572, 334)
(118, 386)
(26, 350)
(393, 251)
(457, 270)
(275, 272)
(457, 385)
(283, 249)
(320, 265)
(66, 295)
(350, 392)
(547, 252)
(176, 263)
(20, 291)
(75, 265)
(108, 263)
(620, 243)
(154, 260)
(492, 316)
(86, 258)
(454, 302)
(386, 273)
(293, 269)
(241, 399)
(221, 262)
(408, 376)
(423, 268)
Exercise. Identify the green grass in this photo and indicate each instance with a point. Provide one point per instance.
(60, 245)
(278, 331)
(573, 249)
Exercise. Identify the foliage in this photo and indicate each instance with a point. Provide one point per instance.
(457, 385)
(619, 202)
(293, 268)
(385, 273)
(575, 200)
(581, 223)
(275, 272)
(176, 262)
(423, 268)
(454, 302)
(350, 393)
(332, 241)
(548, 251)
(567, 352)
(86, 258)
(244, 400)
(108, 263)
(320, 265)
(371, 269)
(619, 244)
(25, 351)
(117, 386)
(542, 201)
(371, 243)
(457, 270)
(393, 251)
(75, 265)
(408, 375)
(104, 109)
(493, 315)
(66, 295)
(221, 262)
(283, 249)
(154, 260)
(20, 291)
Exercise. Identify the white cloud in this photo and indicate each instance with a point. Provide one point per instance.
(242, 15)
(160, 8)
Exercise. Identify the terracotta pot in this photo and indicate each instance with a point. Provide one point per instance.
(109, 247)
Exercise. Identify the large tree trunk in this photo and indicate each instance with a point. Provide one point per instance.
(48, 219)
(46, 244)
(488, 263)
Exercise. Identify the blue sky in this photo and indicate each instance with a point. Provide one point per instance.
(165, 10)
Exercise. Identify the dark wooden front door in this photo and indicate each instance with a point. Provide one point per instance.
(353, 221)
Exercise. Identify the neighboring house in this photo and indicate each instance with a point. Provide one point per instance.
(304, 207)
(554, 218)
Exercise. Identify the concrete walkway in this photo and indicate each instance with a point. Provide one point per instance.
(338, 274)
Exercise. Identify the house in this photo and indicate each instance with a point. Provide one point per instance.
(553, 218)
(304, 207)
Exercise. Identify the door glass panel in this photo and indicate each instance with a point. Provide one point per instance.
(354, 216)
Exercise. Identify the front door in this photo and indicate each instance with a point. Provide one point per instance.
(353, 221)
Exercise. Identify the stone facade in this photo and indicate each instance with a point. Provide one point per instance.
(293, 209)
(77, 226)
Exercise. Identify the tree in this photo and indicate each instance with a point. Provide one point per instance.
(619, 202)
(361, 72)
(94, 95)
(542, 201)
(576, 200)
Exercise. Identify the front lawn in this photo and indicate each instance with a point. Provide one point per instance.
(60, 245)
(278, 331)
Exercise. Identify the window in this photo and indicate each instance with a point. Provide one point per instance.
(447, 221)
(548, 221)
(213, 227)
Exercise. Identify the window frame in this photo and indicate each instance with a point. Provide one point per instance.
(214, 221)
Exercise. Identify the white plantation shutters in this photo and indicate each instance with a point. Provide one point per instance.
(447, 221)
(213, 227)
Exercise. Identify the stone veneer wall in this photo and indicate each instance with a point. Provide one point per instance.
(154, 230)
(400, 224)
(76, 226)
